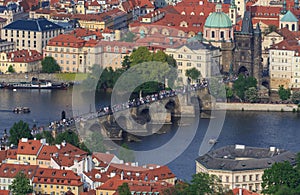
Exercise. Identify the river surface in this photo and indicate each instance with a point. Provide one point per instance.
(258, 129)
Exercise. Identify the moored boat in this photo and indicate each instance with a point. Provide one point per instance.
(19, 109)
(37, 84)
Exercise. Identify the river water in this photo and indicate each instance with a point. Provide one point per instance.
(259, 129)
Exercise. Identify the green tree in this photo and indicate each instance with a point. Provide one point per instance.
(296, 97)
(242, 84)
(19, 130)
(49, 65)
(46, 135)
(192, 73)
(21, 185)
(126, 154)
(178, 189)
(251, 95)
(279, 176)
(68, 136)
(124, 189)
(204, 184)
(283, 93)
(95, 142)
(11, 69)
(83, 147)
(126, 62)
(140, 55)
(229, 93)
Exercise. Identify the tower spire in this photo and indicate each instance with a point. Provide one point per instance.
(283, 10)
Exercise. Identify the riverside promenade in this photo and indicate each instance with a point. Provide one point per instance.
(256, 107)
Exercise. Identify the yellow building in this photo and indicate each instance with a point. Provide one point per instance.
(28, 150)
(240, 166)
(54, 181)
(9, 171)
(21, 61)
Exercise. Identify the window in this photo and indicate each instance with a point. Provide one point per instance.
(198, 57)
(227, 179)
(244, 178)
(222, 34)
(189, 64)
(188, 57)
(179, 63)
(179, 56)
(250, 177)
(198, 65)
(257, 177)
(236, 178)
(212, 34)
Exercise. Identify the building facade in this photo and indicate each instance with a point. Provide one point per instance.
(195, 54)
(31, 34)
(241, 166)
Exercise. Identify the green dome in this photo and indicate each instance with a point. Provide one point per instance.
(218, 20)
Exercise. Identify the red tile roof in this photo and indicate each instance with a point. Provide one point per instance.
(30, 147)
(104, 157)
(66, 40)
(11, 153)
(244, 192)
(96, 176)
(4, 192)
(56, 176)
(11, 170)
(90, 192)
(27, 56)
(2, 155)
(141, 186)
(47, 152)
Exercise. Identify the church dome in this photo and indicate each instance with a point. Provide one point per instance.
(218, 19)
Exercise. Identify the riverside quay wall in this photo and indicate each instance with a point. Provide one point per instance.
(255, 107)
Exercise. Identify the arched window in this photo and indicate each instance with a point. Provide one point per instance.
(212, 34)
(293, 27)
(222, 34)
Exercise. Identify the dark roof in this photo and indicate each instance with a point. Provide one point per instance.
(234, 158)
(247, 26)
(40, 25)
(196, 45)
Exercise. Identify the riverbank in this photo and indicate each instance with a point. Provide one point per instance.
(56, 77)
(256, 107)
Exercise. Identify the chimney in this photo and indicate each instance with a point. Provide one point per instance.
(63, 143)
(240, 191)
(122, 175)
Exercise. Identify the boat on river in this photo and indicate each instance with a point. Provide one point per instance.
(36, 84)
(20, 110)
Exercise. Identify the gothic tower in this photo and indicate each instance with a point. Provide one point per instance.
(247, 52)
(233, 12)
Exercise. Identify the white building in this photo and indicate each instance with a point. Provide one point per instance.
(195, 54)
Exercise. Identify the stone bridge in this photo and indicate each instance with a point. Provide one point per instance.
(148, 118)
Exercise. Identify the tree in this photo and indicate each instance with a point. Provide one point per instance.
(229, 93)
(192, 73)
(49, 65)
(19, 130)
(126, 62)
(280, 176)
(126, 154)
(69, 136)
(296, 97)
(46, 135)
(217, 88)
(203, 183)
(95, 142)
(21, 185)
(242, 84)
(124, 189)
(251, 95)
(11, 69)
(283, 93)
(140, 55)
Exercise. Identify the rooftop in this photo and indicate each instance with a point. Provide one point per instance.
(240, 157)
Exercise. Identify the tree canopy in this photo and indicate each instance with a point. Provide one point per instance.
(201, 184)
(193, 73)
(124, 189)
(251, 95)
(46, 135)
(242, 84)
(11, 69)
(95, 142)
(49, 65)
(19, 130)
(296, 97)
(21, 185)
(283, 93)
(279, 177)
(68, 136)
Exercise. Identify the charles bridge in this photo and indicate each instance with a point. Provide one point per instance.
(145, 118)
